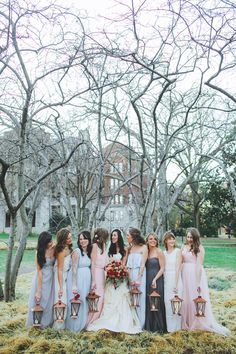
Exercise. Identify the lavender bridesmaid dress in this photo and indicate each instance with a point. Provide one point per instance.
(47, 296)
(83, 284)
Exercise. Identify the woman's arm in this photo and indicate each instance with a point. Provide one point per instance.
(161, 258)
(200, 260)
(125, 258)
(178, 267)
(60, 266)
(75, 262)
(143, 262)
(93, 261)
(38, 293)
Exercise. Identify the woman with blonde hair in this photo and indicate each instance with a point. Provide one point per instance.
(155, 266)
(172, 279)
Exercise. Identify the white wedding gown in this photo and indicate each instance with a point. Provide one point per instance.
(117, 314)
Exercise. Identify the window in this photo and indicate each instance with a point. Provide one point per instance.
(56, 209)
(7, 219)
(117, 167)
(115, 183)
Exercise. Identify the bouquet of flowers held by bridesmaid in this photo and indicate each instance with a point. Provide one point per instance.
(117, 273)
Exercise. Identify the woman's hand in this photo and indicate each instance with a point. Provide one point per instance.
(198, 289)
(93, 286)
(75, 291)
(154, 283)
(60, 293)
(175, 290)
(38, 296)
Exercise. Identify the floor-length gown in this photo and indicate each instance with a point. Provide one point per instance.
(173, 322)
(100, 264)
(117, 314)
(66, 267)
(83, 284)
(134, 263)
(155, 320)
(47, 294)
(189, 320)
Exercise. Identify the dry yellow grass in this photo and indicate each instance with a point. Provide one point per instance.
(16, 339)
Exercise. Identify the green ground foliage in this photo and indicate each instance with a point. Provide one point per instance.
(15, 338)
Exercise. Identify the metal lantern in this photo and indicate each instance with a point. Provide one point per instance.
(176, 304)
(59, 311)
(93, 299)
(154, 300)
(135, 296)
(37, 315)
(200, 305)
(75, 306)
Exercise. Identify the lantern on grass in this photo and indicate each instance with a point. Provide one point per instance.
(135, 296)
(154, 300)
(93, 299)
(37, 315)
(200, 305)
(59, 311)
(75, 306)
(176, 304)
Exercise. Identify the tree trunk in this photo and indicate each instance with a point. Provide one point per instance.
(7, 282)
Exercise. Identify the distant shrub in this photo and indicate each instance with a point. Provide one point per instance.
(219, 284)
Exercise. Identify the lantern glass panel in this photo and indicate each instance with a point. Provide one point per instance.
(74, 309)
(37, 316)
(176, 304)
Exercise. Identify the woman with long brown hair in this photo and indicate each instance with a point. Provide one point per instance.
(98, 263)
(194, 284)
(63, 251)
(137, 256)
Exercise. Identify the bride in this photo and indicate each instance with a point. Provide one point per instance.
(117, 314)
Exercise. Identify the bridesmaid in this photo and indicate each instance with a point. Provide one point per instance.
(155, 320)
(98, 263)
(195, 283)
(79, 281)
(137, 256)
(63, 251)
(42, 290)
(172, 280)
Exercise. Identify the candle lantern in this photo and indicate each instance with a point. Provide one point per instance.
(37, 315)
(59, 311)
(154, 300)
(93, 299)
(176, 304)
(135, 296)
(75, 306)
(200, 305)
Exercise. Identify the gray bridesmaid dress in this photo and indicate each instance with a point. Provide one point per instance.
(155, 320)
(47, 297)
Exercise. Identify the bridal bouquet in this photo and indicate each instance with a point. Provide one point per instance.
(117, 273)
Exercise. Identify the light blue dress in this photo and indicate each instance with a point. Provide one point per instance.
(47, 295)
(133, 264)
(82, 282)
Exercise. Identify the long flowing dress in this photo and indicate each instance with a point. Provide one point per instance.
(99, 275)
(189, 277)
(117, 314)
(155, 320)
(83, 284)
(47, 297)
(66, 267)
(173, 322)
(134, 263)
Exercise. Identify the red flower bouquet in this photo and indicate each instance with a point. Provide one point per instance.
(117, 273)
